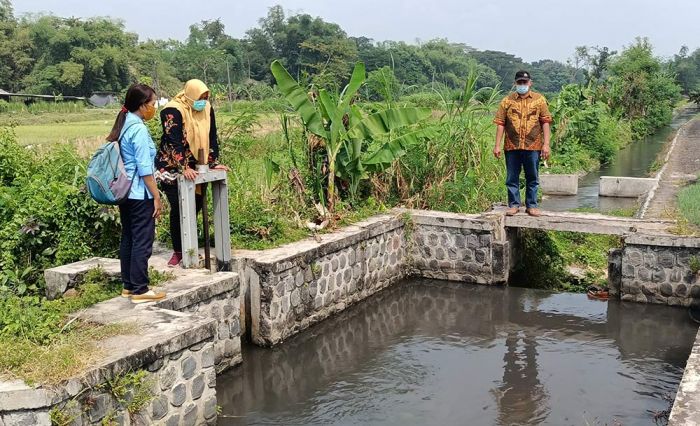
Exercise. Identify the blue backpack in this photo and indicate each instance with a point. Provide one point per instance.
(107, 181)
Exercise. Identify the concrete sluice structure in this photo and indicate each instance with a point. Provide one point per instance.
(195, 333)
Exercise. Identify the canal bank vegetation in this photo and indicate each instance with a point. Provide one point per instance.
(627, 96)
(689, 205)
(562, 261)
(45, 341)
(39, 340)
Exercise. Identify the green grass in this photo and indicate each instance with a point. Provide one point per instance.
(39, 343)
(57, 133)
(62, 358)
(689, 204)
(30, 119)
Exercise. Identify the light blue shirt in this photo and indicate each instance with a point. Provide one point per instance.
(138, 152)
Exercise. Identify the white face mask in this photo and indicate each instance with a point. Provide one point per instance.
(522, 88)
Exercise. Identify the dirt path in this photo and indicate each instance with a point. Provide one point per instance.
(682, 168)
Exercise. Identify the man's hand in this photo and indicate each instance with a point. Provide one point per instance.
(546, 151)
(190, 174)
(497, 152)
(220, 167)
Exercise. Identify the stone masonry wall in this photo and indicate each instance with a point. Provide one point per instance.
(224, 307)
(658, 270)
(173, 354)
(302, 284)
(182, 343)
(458, 248)
(184, 385)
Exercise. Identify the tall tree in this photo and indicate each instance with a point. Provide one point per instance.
(77, 57)
(15, 50)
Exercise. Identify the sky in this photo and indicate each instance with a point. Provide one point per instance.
(531, 30)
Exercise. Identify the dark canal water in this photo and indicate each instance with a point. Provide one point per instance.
(635, 160)
(433, 353)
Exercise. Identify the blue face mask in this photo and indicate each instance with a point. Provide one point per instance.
(199, 105)
(522, 88)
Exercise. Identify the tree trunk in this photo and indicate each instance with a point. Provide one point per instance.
(331, 183)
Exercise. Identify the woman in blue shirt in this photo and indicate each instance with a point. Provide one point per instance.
(139, 212)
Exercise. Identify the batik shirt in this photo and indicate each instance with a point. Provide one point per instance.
(175, 152)
(522, 118)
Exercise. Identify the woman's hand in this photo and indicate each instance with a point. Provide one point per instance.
(220, 167)
(157, 207)
(190, 174)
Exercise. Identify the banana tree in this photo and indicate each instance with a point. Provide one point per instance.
(356, 144)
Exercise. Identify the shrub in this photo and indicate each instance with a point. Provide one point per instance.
(48, 218)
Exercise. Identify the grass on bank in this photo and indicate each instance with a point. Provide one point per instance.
(548, 257)
(689, 204)
(40, 342)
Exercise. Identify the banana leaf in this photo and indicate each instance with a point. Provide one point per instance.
(393, 149)
(383, 122)
(356, 80)
(299, 100)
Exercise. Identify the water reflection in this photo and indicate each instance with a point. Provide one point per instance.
(426, 352)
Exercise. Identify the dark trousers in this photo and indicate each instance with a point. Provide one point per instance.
(138, 232)
(173, 195)
(517, 160)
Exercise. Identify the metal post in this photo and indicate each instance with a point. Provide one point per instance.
(188, 219)
(222, 226)
(205, 212)
(188, 223)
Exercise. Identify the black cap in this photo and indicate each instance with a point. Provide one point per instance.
(522, 75)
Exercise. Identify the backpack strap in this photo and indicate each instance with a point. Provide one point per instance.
(119, 142)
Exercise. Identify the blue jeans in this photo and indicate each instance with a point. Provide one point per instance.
(515, 161)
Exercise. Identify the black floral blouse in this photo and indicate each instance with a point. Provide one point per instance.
(174, 151)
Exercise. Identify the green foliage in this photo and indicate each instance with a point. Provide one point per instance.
(15, 161)
(47, 216)
(37, 108)
(694, 264)
(77, 57)
(540, 263)
(355, 144)
(545, 256)
(65, 416)
(585, 133)
(641, 89)
(687, 69)
(40, 321)
(431, 100)
(689, 203)
(695, 97)
(133, 390)
(454, 169)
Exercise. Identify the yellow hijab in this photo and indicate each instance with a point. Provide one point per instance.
(196, 124)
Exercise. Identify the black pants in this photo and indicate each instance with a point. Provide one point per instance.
(173, 195)
(138, 232)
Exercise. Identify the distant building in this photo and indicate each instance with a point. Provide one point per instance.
(103, 99)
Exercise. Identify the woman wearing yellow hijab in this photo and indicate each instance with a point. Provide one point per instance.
(188, 126)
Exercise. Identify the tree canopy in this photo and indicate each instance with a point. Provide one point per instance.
(53, 55)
